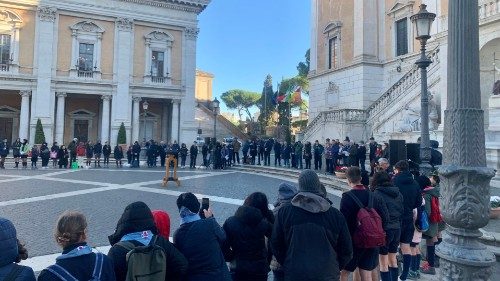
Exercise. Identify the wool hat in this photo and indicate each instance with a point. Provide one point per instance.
(286, 191)
(423, 182)
(189, 201)
(309, 182)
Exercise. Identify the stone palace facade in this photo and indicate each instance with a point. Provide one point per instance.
(363, 80)
(85, 67)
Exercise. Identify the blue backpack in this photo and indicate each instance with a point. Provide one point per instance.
(422, 221)
(64, 275)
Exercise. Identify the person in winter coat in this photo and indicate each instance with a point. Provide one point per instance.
(285, 154)
(204, 154)
(162, 222)
(62, 157)
(394, 202)
(361, 153)
(412, 198)
(353, 159)
(244, 150)
(106, 152)
(151, 154)
(4, 151)
(286, 192)
(89, 153)
(298, 155)
(35, 153)
(200, 241)
(136, 150)
(16, 152)
(72, 146)
(80, 154)
(308, 154)
(365, 260)
(236, 150)
(183, 154)
(277, 153)
(44, 155)
(25, 149)
(245, 247)
(12, 252)
(193, 154)
(118, 154)
(310, 217)
(97, 149)
(53, 154)
(253, 151)
(129, 155)
(429, 193)
(318, 150)
(77, 258)
(137, 226)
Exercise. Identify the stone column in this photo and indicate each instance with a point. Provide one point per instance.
(465, 179)
(135, 119)
(61, 101)
(24, 119)
(175, 121)
(164, 122)
(105, 118)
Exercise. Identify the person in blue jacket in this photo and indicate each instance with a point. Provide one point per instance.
(11, 253)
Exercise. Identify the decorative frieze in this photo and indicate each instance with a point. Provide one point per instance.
(124, 24)
(46, 13)
(191, 32)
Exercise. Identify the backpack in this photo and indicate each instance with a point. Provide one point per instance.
(145, 263)
(369, 232)
(422, 221)
(435, 212)
(64, 275)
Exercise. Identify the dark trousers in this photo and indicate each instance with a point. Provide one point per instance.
(308, 163)
(72, 157)
(318, 162)
(205, 160)
(106, 160)
(245, 158)
(329, 165)
(261, 156)
(334, 164)
(267, 159)
(183, 160)
(192, 163)
(45, 162)
(236, 157)
(362, 163)
(286, 162)
(162, 160)
(277, 159)
(298, 159)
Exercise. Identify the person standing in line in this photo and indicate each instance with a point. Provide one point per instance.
(80, 154)
(118, 154)
(310, 217)
(62, 157)
(97, 154)
(244, 151)
(204, 154)
(364, 258)
(393, 200)
(236, 150)
(24, 151)
(285, 154)
(106, 152)
(230, 151)
(89, 153)
(308, 154)
(268, 146)
(373, 148)
(34, 156)
(277, 153)
(193, 154)
(260, 150)
(16, 152)
(412, 198)
(77, 259)
(253, 151)
(44, 155)
(298, 154)
(4, 151)
(53, 154)
(136, 151)
(328, 156)
(318, 155)
(72, 150)
(362, 155)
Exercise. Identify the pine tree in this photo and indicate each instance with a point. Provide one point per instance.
(266, 103)
(122, 135)
(39, 134)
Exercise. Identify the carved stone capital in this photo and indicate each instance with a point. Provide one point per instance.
(124, 24)
(61, 95)
(176, 101)
(106, 97)
(191, 33)
(136, 99)
(46, 13)
(25, 94)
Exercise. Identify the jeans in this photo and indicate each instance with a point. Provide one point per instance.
(298, 159)
(277, 160)
(236, 157)
(318, 162)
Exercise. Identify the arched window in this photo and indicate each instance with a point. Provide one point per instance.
(158, 57)
(9, 41)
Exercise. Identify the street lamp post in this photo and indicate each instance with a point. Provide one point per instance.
(145, 106)
(423, 21)
(465, 179)
(215, 108)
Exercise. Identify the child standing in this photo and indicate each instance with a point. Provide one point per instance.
(34, 156)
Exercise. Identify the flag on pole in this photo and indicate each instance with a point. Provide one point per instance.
(297, 95)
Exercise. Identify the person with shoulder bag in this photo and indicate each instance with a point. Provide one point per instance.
(77, 261)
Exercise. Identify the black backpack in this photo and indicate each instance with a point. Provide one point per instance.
(64, 275)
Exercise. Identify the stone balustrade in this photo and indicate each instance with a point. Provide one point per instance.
(488, 8)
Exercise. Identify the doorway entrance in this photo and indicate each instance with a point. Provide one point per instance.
(81, 130)
(6, 129)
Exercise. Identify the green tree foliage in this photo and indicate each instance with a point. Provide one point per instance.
(241, 101)
(303, 67)
(122, 135)
(39, 134)
(267, 106)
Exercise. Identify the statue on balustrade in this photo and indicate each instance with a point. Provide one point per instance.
(410, 120)
(496, 88)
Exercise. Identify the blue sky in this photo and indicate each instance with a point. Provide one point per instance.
(240, 42)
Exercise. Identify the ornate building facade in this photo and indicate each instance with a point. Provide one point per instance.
(85, 67)
(363, 77)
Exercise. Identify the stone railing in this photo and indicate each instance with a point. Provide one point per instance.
(399, 88)
(336, 115)
(488, 8)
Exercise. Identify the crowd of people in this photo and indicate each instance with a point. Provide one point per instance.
(303, 238)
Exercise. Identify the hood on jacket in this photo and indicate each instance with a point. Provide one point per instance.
(391, 191)
(249, 215)
(311, 202)
(8, 242)
(403, 178)
(136, 217)
(286, 192)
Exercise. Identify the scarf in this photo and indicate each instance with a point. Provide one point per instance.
(76, 252)
(143, 237)
(187, 216)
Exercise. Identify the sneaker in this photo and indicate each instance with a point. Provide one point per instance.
(427, 269)
(436, 262)
(412, 275)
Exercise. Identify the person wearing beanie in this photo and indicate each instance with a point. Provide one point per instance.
(310, 217)
(12, 252)
(365, 259)
(200, 241)
(137, 226)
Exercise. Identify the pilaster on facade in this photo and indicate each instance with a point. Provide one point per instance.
(47, 13)
(124, 24)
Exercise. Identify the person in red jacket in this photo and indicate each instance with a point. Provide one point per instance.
(80, 154)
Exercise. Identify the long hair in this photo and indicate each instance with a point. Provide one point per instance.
(258, 200)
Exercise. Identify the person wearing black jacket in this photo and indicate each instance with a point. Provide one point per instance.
(204, 154)
(310, 217)
(97, 154)
(412, 198)
(364, 259)
(4, 151)
(318, 154)
(138, 219)
(268, 146)
(77, 257)
(361, 153)
(118, 154)
(372, 157)
(245, 246)
(307, 154)
(193, 154)
(106, 152)
(62, 157)
(277, 153)
(394, 202)
(136, 151)
(45, 155)
(161, 151)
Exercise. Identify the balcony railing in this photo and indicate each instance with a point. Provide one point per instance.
(85, 73)
(4, 67)
(158, 79)
(488, 8)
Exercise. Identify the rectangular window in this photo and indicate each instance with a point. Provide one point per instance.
(157, 64)
(401, 37)
(4, 52)
(86, 57)
(333, 52)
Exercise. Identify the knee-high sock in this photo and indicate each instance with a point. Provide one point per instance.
(385, 275)
(394, 271)
(406, 266)
(431, 254)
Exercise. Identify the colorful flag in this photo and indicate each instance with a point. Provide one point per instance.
(297, 95)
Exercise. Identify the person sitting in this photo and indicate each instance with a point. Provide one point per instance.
(162, 222)
(136, 226)
(77, 261)
(12, 252)
(246, 232)
(200, 240)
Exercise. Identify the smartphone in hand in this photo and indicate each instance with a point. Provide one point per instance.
(205, 204)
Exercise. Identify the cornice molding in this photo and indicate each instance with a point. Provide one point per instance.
(191, 6)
